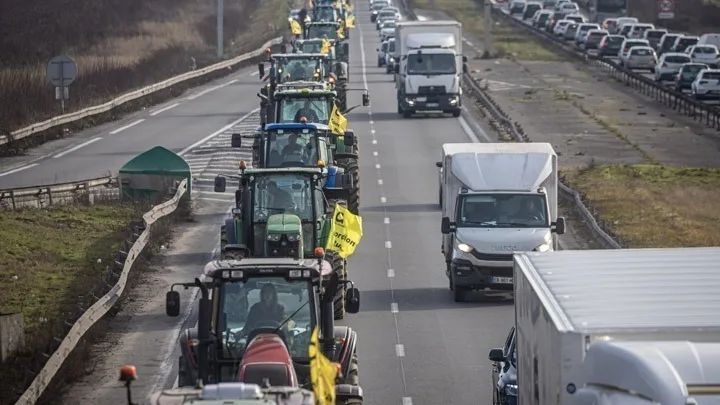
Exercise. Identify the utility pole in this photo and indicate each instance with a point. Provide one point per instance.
(488, 29)
(220, 20)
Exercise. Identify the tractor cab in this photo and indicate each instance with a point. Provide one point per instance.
(326, 13)
(292, 105)
(255, 321)
(293, 67)
(323, 30)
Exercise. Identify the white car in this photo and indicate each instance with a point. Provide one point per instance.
(382, 51)
(619, 22)
(637, 31)
(387, 30)
(516, 7)
(707, 54)
(706, 85)
(582, 31)
(560, 27)
(669, 65)
(640, 57)
(569, 8)
(629, 43)
(559, 4)
(576, 18)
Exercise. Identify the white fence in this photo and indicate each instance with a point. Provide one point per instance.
(102, 306)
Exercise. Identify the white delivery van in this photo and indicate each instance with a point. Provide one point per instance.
(566, 302)
(709, 39)
(496, 198)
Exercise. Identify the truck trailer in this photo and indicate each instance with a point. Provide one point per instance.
(626, 326)
(496, 199)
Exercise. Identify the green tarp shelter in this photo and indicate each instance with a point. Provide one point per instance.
(154, 171)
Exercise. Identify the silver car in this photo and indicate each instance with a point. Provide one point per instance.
(387, 30)
(640, 57)
(706, 85)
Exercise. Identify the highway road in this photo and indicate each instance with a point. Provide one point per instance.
(416, 345)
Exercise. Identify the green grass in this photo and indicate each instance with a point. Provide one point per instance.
(652, 205)
(50, 256)
(508, 41)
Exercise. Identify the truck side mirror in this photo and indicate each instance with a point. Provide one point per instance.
(261, 70)
(172, 303)
(559, 226)
(352, 300)
(446, 226)
(365, 99)
(464, 59)
(236, 141)
(397, 68)
(438, 165)
(346, 181)
(349, 138)
(496, 355)
(220, 184)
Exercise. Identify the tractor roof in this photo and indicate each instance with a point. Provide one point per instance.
(315, 40)
(305, 92)
(232, 393)
(323, 23)
(276, 170)
(267, 267)
(300, 56)
(302, 86)
(292, 126)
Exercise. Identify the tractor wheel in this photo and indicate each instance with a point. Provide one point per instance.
(338, 266)
(353, 198)
(352, 374)
(342, 95)
(184, 379)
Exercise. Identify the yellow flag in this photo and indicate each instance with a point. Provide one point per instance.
(322, 372)
(337, 122)
(295, 27)
(345, 232)
(325, 46)
(340, 32)
(350, 21)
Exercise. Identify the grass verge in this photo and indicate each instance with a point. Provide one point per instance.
(652, 205)
(509, 42)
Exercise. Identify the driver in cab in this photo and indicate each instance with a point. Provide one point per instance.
(293, 148)
(307, 112)
(279, 199)
(267, 312)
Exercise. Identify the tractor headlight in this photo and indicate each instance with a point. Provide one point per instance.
(545, 247)
(274, 237)
(293, 238)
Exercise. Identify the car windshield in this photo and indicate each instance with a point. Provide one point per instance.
(502, 211)
(315, 110)
(389, 25)
(692, 71)
(266, 302)
(431, 64)
(379, 6)
(279, 193)
(291, 70)
(296, 148)
(615, 40)
(711, 76)
(322, 31)
(655, 34)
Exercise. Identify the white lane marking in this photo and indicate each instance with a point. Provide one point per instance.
(388, 244)
(380, 182)
(164, 109)
(130, 125)
(73, 149)
(386, 220)
(383, 200)
(204, 92)
(372, 122)
(218, 132)
(18, 169)
(394, 308)
(372, 131)
(407, 401)
(377, 166)
(400, 350)
(375, 153)
(391, 273)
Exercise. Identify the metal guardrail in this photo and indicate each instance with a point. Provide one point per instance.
(699, 111)
(52, 194)
(134, 95)
(103, 305)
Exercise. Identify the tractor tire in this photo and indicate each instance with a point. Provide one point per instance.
(184, 379)
(338, 266)
(353, 195)
(352, 374)
(349, 401)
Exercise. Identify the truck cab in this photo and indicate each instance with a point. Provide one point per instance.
(496, 199)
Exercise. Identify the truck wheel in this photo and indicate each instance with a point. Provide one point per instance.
(456, 113)
(352, 374)
(353, 195)
(338, 266)
(400, 110)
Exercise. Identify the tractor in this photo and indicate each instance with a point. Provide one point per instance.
(255, 321)
(329, 31)
(317, 147)
(283, 212)
(339, 68)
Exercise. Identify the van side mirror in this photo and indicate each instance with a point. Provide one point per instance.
(220, 184)
(349, 138)
(496, 355)
(365, 99)
(559, 226)
(236, 141)
(446, 226)
(172, 303)
(438, 165)
(352, 300)
(261, 70)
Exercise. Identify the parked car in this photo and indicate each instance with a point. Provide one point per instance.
(706, 85)
(683, 42)
(504, 371)
(593, 39)
(610, 45)
(653, 36)
(669, 65)
(707, 54)
(687, 75)
(640, 57)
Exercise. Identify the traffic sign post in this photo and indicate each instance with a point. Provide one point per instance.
(666, 9)
(61, 71)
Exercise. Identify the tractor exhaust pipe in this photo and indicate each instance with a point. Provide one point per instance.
(203, 332)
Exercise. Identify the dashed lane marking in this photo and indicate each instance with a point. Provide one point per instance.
(130, 125)
(162, 110)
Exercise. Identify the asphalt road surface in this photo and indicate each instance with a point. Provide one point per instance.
(416, 345)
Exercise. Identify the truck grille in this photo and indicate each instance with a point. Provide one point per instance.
(431, 90)
(495, 257)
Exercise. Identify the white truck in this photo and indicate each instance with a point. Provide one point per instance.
(428, 75)
(496, 199)
(618, 327)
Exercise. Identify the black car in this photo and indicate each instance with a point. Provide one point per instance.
(517, 7)
(610, 46)
(666, 43)
(504, 372)
(687, 75)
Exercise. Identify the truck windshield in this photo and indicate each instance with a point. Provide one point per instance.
(292, 148)
(265, 302)
(283, 193)
(315, 110)
(502, 211)
(431, 64)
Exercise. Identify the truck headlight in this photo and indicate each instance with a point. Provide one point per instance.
(545, 247)
(511, 390)
(465, 248)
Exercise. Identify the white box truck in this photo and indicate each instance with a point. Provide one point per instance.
(496, 199)
(593, 326)
(429, 73)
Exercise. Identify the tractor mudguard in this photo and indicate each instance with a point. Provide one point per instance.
(346, 155)
(344, 392)
(187, 368)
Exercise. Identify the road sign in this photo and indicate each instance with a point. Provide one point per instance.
(666, 9)
(61, 71)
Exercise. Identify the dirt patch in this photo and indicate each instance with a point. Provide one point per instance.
(653, 206)
(118, 46)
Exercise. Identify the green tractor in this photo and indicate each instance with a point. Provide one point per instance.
(308, 145)
(282, 212)
(339, 68)
(236, 342)
(329, 31)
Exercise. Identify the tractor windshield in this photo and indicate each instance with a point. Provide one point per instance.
(266, 302)
(292, 148)
(315, 110)
(325, 14)
(326, 31)
(315, 47)
(282, 192)
(294, 69)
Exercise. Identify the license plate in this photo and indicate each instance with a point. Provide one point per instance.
(433, 104)
(502, 280)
